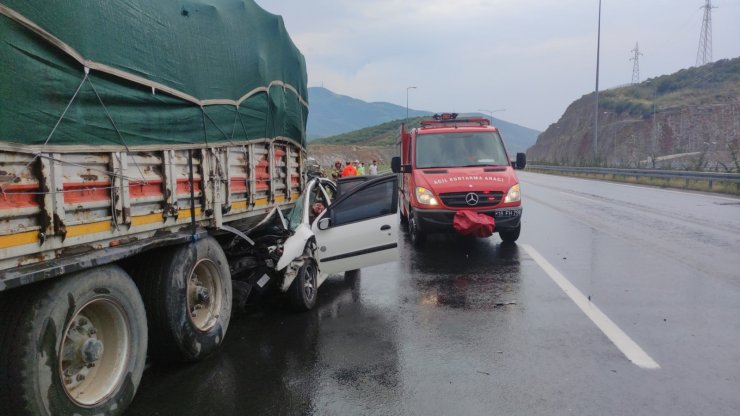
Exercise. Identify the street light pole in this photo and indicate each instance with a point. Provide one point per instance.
(490, 112)
(596, 106)
(407, 100)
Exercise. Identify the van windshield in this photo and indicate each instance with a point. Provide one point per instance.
(443, 150)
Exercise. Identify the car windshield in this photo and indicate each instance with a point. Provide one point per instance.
(296, 214)
(440, 150)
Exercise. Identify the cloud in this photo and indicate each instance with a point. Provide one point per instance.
(532, 57)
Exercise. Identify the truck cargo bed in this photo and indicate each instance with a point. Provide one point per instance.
(58, 205)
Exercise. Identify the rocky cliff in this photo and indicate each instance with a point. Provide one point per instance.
(690, 119)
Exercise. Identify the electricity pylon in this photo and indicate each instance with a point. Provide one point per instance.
(636, 66)
(704, 53)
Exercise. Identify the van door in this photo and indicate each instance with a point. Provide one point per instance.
(360, 228)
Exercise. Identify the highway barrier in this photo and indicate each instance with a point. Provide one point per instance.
(728, 183)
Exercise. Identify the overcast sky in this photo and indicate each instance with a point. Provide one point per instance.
(530, 57)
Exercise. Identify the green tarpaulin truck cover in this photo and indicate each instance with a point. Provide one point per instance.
(118, 74)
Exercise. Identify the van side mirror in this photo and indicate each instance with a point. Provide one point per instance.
(521, 161)
(324, 223)
(397, 167)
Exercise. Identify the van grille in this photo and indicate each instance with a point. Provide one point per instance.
(485, 199)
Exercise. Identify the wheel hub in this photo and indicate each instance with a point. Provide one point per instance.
(91, 351)
(203, 298)
(88, 373)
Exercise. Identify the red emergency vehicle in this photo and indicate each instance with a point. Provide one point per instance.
(451, 164)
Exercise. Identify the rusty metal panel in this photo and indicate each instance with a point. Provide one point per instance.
(21, 195)
(262, 171)
(87, 188)
(54, 205)
(238, 174)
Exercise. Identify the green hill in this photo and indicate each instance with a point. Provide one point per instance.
(685, 120)
(331, 114)
(517, 138)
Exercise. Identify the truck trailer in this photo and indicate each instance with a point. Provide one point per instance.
(148, 152)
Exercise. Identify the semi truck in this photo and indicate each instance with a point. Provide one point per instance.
(453, 164)
(150, 152)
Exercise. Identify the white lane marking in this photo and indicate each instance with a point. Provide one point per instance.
(629, 348)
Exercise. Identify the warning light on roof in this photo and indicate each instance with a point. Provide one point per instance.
(445, 116)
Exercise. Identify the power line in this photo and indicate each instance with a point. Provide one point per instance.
(636, 66)
(704, 53)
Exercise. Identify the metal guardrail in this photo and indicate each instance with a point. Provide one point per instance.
(654, 173)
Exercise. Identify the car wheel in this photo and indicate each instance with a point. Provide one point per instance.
(510, 236)
(303, 291)
(351, 276)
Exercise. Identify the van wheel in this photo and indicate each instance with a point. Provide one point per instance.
(187, 292)
(404, 217)
(510, 236)
(75, 345)
(418, 237)
(303, 291)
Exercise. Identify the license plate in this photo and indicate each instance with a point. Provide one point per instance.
(506, 213)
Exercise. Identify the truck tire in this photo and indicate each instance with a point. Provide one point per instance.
(303, 292)
(510, 236)
(74, 345)
(417, 236)
(187, 292)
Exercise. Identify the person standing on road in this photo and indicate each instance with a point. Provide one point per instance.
(336, 172)
(361, 169)
(349, 170)
(374, 168)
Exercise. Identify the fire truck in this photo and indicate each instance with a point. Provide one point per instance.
(451, 164)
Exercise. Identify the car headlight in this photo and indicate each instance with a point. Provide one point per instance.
(425, 196)
(513, 195)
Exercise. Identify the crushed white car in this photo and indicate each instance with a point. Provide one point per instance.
(333, 228)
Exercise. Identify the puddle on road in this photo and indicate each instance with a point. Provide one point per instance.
(464, 273)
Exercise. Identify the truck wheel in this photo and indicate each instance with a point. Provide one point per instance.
(510, 236)
(416, 234)
(303, 291)
(75, 345)
(187, 292)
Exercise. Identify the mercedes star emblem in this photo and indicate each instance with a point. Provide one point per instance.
(471, 198)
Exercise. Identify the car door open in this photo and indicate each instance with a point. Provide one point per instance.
(360, 228)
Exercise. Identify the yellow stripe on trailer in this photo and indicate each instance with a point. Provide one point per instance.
(239, 205)
(185, 213)
(92, 228)
(19, 239)
(146, 219)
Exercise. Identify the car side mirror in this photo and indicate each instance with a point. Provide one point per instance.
(397, 167)
(324, 223)
(521, 161)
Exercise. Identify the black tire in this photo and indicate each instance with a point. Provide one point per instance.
(510, 236)
(353, 279)
(74, 345)
(303, 292)
(187, 292)
(350, 276)
(416, 234)
(404, 218)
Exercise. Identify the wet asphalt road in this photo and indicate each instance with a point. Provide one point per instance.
(479, 328)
